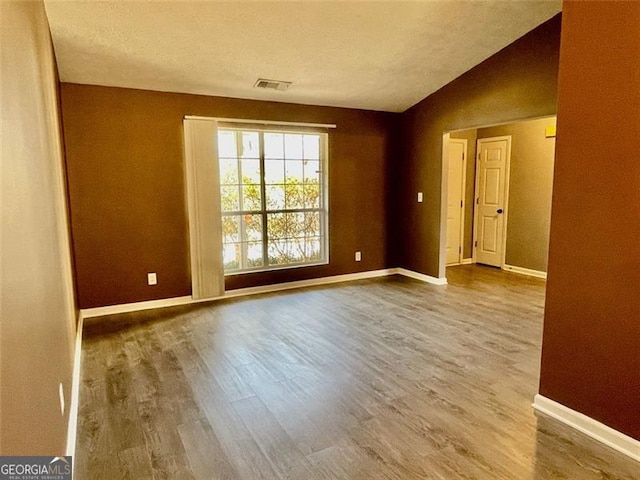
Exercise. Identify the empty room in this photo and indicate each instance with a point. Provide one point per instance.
(320, 240)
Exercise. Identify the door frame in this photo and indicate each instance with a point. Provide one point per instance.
(506, 198)
(464, 187)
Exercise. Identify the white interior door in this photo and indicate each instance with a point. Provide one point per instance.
(455, 195)
(492, 172)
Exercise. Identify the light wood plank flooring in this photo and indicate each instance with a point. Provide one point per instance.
(379, 379)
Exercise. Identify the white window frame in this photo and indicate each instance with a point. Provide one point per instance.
(264, 212)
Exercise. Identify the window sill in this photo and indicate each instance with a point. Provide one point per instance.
(277, 269)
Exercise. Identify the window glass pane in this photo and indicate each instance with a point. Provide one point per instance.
(311, 222)
(250, 171)
(273, 171)
(311, 194)
(277, 251)
(294, 196)
(312, 249)
(299, 228)
(227, 147)
(254, 254)
(230, 228)
(296, 251)
(282, 252)
(311, 171)
(242, 239)
(273, 145)
(277, 226)
(228, 171)
(291, 225)
(311, 146)
(231, 256)
(293, 146)
(275, 197)
(250, 145)
(294, 171)
(251, 198)
(229, 198)
(252, 227)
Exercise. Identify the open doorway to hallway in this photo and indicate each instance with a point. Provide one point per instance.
(497, 189)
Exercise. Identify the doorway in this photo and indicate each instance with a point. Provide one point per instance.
(515, 239)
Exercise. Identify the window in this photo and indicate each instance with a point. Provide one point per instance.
(273, 199)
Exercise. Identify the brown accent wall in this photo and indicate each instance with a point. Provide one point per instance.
(38, 322)
(126, 185)
(530, 186)
(516, 83)
(591, 340)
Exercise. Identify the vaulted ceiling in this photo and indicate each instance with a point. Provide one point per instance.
(371, 55)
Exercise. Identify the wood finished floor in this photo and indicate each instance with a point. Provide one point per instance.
(379, 379)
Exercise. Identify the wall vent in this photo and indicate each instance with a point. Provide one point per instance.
(272, 84)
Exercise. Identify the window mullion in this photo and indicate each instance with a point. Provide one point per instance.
(324, 215)
(324, 180)
(243, 233)
(263, 203)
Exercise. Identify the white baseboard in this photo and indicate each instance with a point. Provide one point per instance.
(587, 425)
(466, 261)
(420, 276)
(172, 302)
(136, 306)
(277, 287)
(312, 282)
(75, 390)
(525, 271)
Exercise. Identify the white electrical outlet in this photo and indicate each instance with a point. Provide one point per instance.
(419, 197)
(152, 278)
(358, 256)
(61, 393)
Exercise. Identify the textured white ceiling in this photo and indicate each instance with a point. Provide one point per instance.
(372, 55)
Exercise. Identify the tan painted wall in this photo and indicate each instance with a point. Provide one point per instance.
(38, 313)
(530, 187)
(591, 339)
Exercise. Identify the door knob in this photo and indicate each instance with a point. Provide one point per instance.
(500, 210)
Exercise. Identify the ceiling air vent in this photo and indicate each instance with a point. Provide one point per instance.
(272, 84)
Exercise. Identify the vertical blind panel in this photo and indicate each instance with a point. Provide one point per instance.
(203, 202)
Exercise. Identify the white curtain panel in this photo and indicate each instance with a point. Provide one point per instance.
(203, 202)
